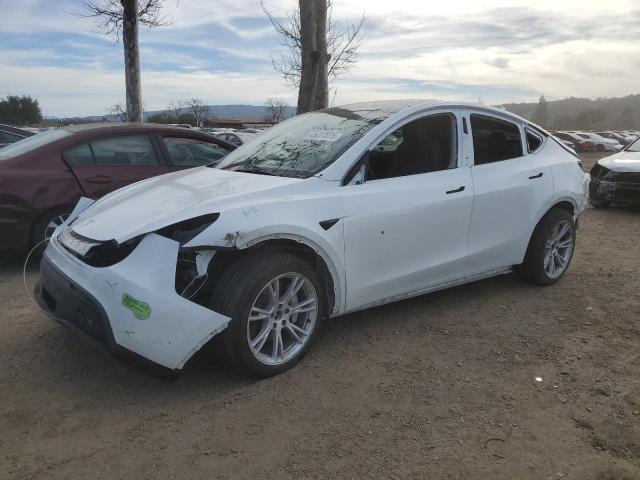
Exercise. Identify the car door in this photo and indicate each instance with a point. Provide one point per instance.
(107, 163)
(407, 230)
(511, 181)
(183, 151)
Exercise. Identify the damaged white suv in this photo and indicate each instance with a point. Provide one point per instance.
(327, 213)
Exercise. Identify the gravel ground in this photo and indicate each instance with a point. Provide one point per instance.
(442, 386)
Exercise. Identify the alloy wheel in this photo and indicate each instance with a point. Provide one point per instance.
(282, 318)
(558, 249)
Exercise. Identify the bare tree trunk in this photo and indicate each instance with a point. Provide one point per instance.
(313, 93)
(321, 70)
(307, 49)
(131, 60)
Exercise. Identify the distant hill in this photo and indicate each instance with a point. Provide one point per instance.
(246, 113)
(568, 114)
(584, 113)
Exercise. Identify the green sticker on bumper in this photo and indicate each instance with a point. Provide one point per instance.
(140, 310)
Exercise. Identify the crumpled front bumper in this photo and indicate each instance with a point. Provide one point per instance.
(130, 307)
(613, 191)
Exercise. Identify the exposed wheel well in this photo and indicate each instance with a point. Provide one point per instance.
(226, 257)
(564, 205)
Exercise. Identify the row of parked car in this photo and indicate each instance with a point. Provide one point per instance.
(231, 135)
(93, 160)
(10, 134)
(605, 141)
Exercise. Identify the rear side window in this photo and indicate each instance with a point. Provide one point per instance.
(79, 155)
(125, 150)
(534, 141)
(190, 152)
(494, 140)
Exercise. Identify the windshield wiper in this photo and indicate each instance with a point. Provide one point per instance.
(252, 169)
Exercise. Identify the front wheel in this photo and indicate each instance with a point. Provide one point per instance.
(275, 303)
(550, 249)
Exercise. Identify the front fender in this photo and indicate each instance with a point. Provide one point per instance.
(327, 244)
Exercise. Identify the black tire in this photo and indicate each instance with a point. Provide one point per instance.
(40, 232)
(600, 148)
(234, 294)
(532, 269)
(600, 203)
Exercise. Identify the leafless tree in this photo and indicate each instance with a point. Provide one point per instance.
(124, 17)
(119, 110)
(276, 110)
(199, 109)
(317, 50)
(175, 107)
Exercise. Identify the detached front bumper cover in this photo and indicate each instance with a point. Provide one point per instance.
(131, 306)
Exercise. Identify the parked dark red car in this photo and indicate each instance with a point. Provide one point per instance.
(581, 145)
(42, 177)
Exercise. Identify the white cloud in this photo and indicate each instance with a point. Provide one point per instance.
(81, 91)
(502, 50)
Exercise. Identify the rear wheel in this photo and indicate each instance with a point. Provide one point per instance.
(550, 249)
(274, 301)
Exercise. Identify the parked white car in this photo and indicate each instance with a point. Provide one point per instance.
(312, 220)
(236, 138)
(602, 144)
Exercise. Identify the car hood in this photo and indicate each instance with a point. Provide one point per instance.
(157, 202)
(622, 162)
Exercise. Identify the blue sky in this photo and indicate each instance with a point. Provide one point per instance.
(220, 51)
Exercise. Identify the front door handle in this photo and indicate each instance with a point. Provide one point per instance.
(535, 176)
(457, 190)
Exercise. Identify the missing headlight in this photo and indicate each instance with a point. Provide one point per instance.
(183, 232)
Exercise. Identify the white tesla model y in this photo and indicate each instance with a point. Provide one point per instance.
(326, 213)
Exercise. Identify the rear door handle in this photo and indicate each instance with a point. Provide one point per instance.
(100, 179)
(535, 176)
(457, 190)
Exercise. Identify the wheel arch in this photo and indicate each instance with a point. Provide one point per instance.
(300, 246)
(567, 204)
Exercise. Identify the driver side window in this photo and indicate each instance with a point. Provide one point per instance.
(428, 144)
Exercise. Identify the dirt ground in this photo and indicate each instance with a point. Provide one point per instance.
(441, 386)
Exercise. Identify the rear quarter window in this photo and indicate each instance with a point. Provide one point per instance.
(534, 141)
